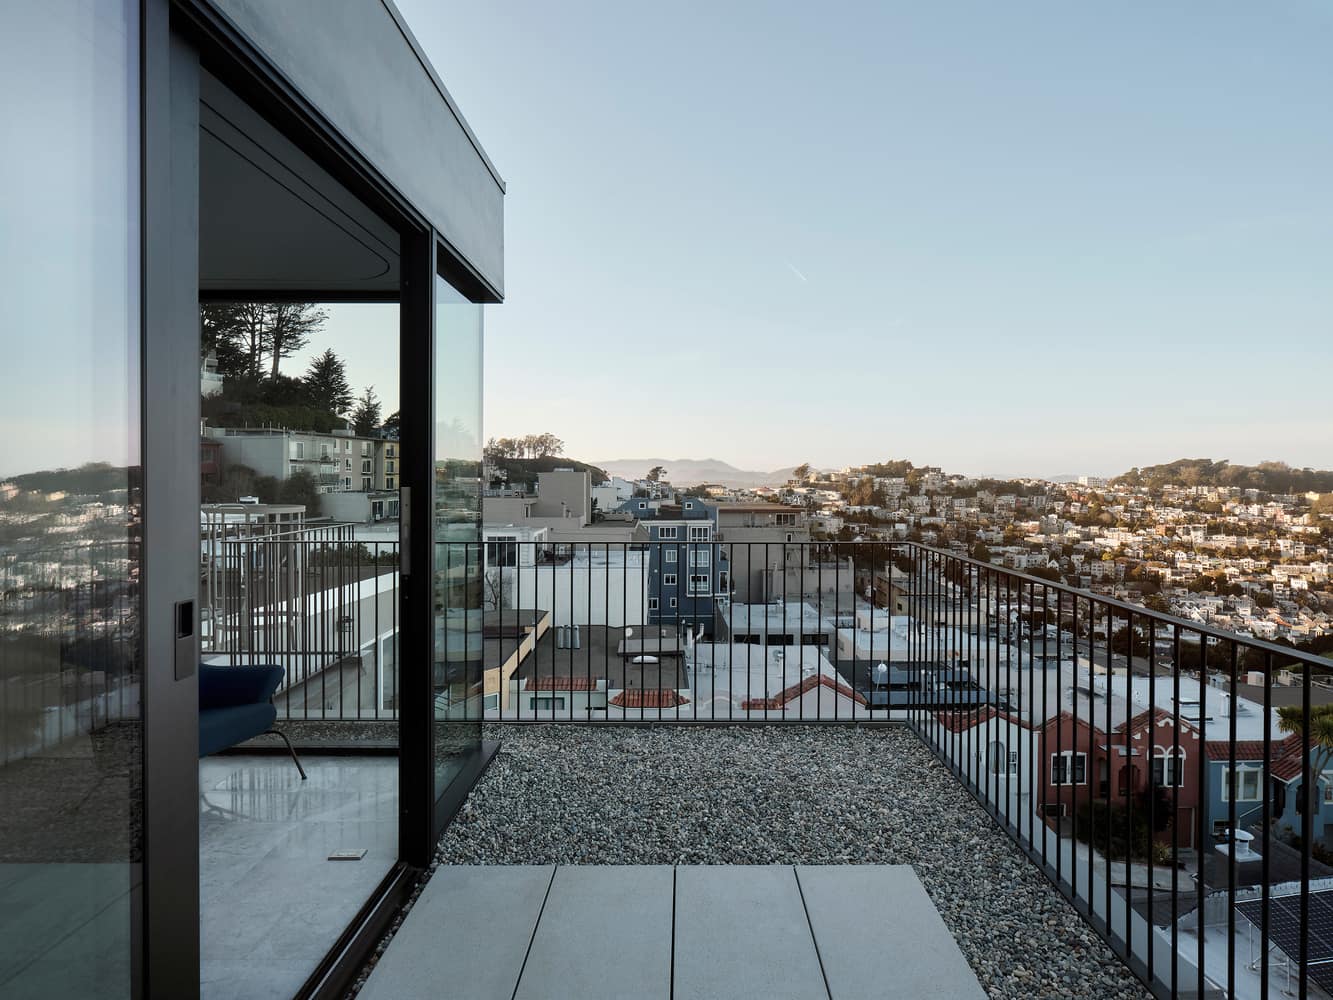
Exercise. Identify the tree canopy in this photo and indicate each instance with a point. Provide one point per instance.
(250, 339)
(543, 445)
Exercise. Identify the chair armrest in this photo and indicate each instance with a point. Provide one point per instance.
(220, 687)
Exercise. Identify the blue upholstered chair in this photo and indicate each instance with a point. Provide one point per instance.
(236, 704)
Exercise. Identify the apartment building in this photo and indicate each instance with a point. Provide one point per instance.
(339, 461)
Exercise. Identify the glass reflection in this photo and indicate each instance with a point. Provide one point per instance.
(70, 660)
(457, 510)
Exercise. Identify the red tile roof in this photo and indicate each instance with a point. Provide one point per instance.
(1284, 764)
(801, 687)
(559, 683)
(649, 698)
(959, 721)
(1245, 750)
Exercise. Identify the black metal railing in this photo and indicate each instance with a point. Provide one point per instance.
(321, 601)
(702, 630)
(69, 643)
(1168, 776)
(1141, 760)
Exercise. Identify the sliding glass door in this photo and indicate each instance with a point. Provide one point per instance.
(457, 570)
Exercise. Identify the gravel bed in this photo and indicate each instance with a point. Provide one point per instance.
(784, 795)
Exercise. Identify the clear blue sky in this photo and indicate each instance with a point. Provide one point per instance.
(1031, 238)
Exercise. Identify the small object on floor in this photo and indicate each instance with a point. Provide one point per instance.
(355, 855)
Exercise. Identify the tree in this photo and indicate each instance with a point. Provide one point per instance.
(300, 488)
(244, 334)
(801, 472)
(235, 331)
(1318, 733)
(366, 416)
(326, 381)
(656, 473)
(393, 424)
(289, 328)
(219, 323)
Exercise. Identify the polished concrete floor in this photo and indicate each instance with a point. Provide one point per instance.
(271, 901)
(658, 932)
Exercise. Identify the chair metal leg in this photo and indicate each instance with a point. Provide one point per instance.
(290, 749)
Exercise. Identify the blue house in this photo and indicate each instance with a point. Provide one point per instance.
(687, 570)
(1246, 786)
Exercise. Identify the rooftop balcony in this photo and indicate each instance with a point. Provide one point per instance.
(1091, 794)
(791, 796)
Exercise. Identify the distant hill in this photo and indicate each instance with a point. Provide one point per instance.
(693, 471)
(1270, 477)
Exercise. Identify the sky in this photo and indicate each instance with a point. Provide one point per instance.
(1033, 238)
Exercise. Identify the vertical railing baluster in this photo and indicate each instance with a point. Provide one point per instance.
(1204, 835)
(1268, 822)
(1307, 827)
(1233, 710)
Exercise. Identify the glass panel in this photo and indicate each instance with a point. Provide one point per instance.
(70, 664)
(457, 506)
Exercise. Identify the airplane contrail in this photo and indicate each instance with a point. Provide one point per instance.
(796, 272)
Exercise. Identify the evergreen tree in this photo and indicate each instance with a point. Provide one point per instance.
(366, 416)
(326, 381)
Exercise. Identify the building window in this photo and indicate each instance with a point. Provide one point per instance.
(390, 467)
(722, 583)
(786, 519)
(347, 464)
(1328, 786)
(501, 550)
(668, 579)
(365, 467)
(347, 482)
(1069, 768)
(667, 533)
(699, 532)
(700, 558)
(689, 505)
(300, 449)
(491, 702)
(365, 447)
(1241, 784)
(652, 604)
(669, 555)
(544, 702)
(699, 583)
(347, 445)
(389, 483)
(1013, 762)
(672, 603)
(1168, 767)
(642, 505)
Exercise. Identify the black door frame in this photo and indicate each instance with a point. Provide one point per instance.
(177, 39)
(168, 956)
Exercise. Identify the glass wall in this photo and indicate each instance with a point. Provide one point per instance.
(70, 660)
(457, 673)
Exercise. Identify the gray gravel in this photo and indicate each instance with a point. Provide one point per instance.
(785, 795)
